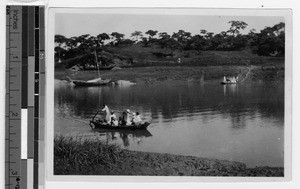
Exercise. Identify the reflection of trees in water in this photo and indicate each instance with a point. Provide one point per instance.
(266, 101)
(238, 120)
(172, 100)
(79, 101)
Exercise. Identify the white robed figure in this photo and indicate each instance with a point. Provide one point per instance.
(107, 112)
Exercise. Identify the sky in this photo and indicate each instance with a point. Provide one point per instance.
(76, 24)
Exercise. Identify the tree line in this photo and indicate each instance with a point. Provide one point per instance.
(268, 42)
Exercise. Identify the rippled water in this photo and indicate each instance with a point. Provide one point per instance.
(242, 122)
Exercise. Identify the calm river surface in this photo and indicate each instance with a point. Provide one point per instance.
(243, 123)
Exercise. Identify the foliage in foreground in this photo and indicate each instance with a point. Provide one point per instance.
(83, 156)
(74, 156)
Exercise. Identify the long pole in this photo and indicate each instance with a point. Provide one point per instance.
(97, 64)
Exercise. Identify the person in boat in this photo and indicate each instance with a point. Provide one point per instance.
(126, 118)
(230, 79)
(137, 119)
(114, 122)
(106, 111)
(236, 78)
(120, 121)
(113, 119)
(133, 117)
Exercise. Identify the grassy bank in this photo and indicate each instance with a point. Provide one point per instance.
(86, 157)
(139, 56)
(152, 56)
(148, 67)
(184, 73)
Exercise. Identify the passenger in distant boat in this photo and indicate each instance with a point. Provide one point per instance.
(113, 117)
(137, 119)
(114, 122)
(133, 117)
(120, 121)
(107, 113)
(231, 79)
(127, 119)
(124, 118)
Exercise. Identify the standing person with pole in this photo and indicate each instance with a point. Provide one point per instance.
(107, 113)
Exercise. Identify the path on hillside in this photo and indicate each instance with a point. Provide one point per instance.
(249, 70)
(247, 74)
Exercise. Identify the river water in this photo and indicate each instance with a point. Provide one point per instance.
(243, 122)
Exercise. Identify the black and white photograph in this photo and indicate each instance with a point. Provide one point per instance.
(169, 92)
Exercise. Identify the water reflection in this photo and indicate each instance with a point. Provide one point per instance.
(230, 90)
(125, 136)
(236, 122)
(173, 101)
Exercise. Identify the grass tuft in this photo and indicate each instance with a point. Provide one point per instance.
(73, 155)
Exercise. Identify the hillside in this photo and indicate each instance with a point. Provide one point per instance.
(138, 56)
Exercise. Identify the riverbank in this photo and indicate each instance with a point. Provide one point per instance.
(87, 157)
(154, 74)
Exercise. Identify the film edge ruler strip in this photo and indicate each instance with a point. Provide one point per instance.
(25, 92)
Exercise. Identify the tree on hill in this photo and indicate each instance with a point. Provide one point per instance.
(218, 42)
(182, 38)
(145, 41)
(102, 37)
(172, 44)
(164, 37)
(73, 42)
(137, 35)
(209, 35)
(84, 43)
(127, 42)
(198, 43)
(203, 32)
(236, 26)
(238, 42)
(60, 40)
(223, 34)
(118, 37)
(81, 42)
(92, 44)
(270, 41)
(151, 33)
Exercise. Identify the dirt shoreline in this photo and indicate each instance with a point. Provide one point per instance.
(145, 163)
(96, 158)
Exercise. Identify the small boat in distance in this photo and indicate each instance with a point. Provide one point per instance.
(229, 80)
(93, 82)
(92, 67)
